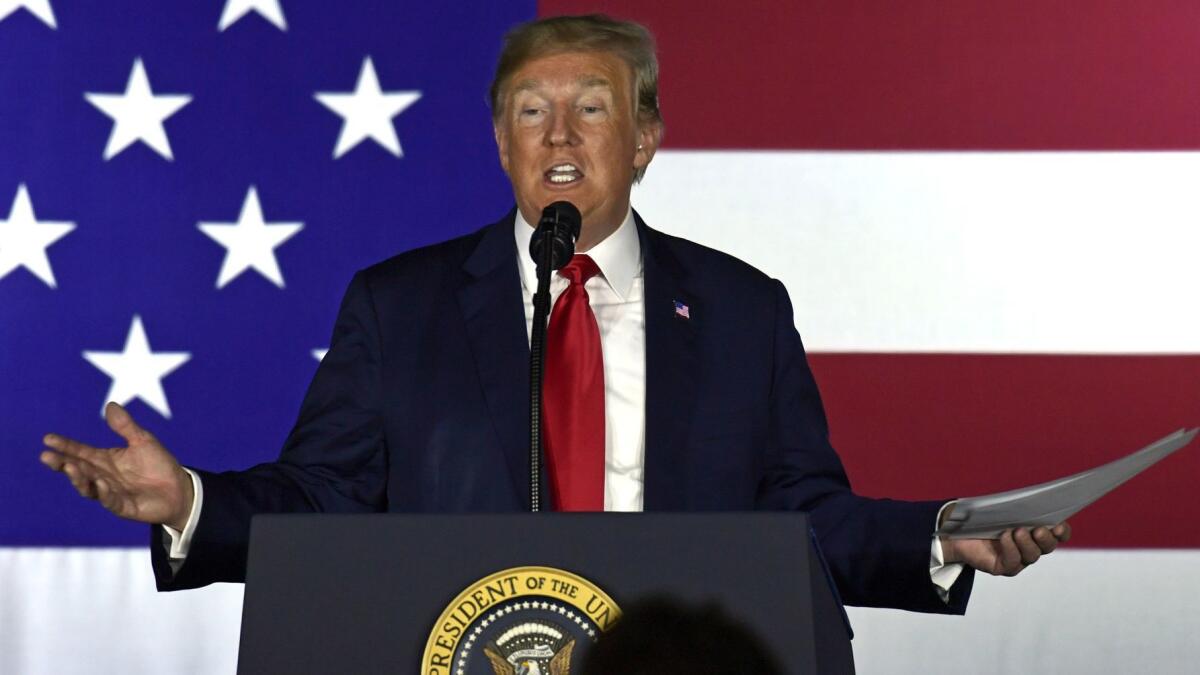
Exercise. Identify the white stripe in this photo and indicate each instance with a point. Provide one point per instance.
(955, 252)
(96, 611)
(80, 610)
(1072, 612)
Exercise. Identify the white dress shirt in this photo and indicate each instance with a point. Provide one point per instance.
(617, 298)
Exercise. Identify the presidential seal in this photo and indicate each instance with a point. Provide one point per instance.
(519, 621)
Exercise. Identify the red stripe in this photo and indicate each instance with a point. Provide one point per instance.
(927, 74)
(940, 425)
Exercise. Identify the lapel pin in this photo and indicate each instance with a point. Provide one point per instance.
(681, 311)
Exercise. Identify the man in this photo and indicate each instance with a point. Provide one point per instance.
(697, 395)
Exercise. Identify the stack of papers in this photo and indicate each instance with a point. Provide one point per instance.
(1051, 503)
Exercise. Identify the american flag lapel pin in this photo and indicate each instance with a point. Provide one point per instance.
(681, 311)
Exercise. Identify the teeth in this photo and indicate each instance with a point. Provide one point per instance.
(565, 178)
(564, 167)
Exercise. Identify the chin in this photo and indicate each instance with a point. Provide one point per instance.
(567, 196)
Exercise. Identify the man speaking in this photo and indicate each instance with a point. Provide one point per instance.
(675, 379)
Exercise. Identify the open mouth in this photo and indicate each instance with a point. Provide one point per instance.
(563, 174)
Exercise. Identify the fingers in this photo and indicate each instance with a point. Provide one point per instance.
(89, 480)
(81, 478)
(1029, 548)
(1014, 549)
(1009, 558)
(107, 497)
(77, 460)
(52, 459)
(78, 467)
(71, 448)
(1023, 547)
(120, 421)
(1045, 539)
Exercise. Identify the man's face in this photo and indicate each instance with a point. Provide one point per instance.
(568, 131)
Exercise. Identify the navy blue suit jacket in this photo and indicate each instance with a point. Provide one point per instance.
(421, 405)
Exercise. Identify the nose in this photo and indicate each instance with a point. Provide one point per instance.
(562, 129)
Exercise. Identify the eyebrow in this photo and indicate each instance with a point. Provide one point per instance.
(594, 81)
(586, 81)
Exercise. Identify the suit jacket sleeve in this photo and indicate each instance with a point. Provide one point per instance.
(877, 549)
(333, 460)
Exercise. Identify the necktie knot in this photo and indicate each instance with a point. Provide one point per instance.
(580, 269)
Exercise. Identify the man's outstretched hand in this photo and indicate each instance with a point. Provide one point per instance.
(141, 481)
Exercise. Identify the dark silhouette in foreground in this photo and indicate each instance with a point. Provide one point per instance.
(662, 636)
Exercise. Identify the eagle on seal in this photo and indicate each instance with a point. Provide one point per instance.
(560, 663)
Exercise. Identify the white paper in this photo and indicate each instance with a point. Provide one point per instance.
(1049, 504)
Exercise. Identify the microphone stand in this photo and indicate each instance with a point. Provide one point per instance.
(537, 360)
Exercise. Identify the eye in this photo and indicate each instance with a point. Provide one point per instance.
(530, 116)
(591, 109)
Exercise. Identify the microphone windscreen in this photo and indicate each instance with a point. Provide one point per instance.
(555, 235)
(563, 213)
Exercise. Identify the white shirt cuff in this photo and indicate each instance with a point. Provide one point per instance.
(182, 541)
(943, 575)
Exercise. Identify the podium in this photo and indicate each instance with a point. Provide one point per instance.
(440, 594)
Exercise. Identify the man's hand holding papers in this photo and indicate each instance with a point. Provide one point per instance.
(1011, 552)
(1006, 532)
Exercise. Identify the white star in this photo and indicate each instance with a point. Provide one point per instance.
(39, 8)
(267, 9)
(138, 114)
(319, 354)
(136, 371)
(250, 242)
(23, 240)
(368, 112)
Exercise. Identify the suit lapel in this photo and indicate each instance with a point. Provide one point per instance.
(671, 362)
(492, 307)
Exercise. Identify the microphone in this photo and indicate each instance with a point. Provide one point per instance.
(552, 246)
(558, 229)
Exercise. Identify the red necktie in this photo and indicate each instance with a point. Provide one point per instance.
(573, 395)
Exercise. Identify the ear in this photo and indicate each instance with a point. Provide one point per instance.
(501, 144)
(648, 137)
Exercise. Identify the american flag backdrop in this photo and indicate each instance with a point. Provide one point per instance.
(987, 215)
